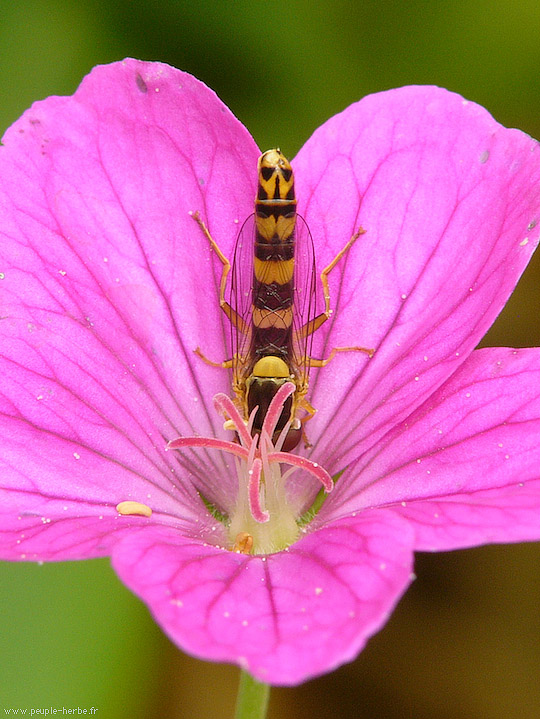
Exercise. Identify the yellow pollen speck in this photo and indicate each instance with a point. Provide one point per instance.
(133, 509)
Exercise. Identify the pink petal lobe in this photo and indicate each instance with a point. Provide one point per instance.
(465, 467)
(286, 617)
(100, 301)
(450, 201)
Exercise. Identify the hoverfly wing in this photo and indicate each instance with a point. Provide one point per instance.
(240, 299)
(305, 305)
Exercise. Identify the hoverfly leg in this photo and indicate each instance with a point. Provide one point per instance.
(314, 324)
(232, 315)
(226, 364)
(224, 261)
(314, 362)
(330, 267)
(323, 362)
(311, 411)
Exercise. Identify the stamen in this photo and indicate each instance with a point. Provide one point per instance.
(303, 463)
(282, 436)
(211, 442)
(225, 405)
(254, 492)
(276, 406)
(129, 508)
(251, 419)
(254, 441)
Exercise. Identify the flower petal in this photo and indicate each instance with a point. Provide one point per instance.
(100, 279)
(491, 516)
(286, 617)
(465, 467)
(450, 201)
(59, 501)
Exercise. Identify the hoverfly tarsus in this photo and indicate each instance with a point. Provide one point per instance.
(271, 302)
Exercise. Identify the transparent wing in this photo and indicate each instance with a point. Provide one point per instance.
(241, 300)
(305, 304)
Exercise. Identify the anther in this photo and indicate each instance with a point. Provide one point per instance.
(243, 544)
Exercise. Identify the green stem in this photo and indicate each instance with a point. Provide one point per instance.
(252, 700)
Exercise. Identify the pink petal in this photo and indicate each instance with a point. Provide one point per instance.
(450, 202)
(285, 617)
(28, 537)
(465, 467)
(100, 293)
(491, 516)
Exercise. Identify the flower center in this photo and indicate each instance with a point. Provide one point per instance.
(262, 520)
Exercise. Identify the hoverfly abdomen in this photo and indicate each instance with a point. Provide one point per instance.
(273, 287)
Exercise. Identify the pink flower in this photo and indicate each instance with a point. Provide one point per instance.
(107, 286)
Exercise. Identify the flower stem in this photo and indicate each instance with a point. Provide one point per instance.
(252, 700)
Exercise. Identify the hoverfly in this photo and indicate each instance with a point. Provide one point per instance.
(271, 302)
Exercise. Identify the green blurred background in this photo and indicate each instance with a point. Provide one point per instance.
(465, 640)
